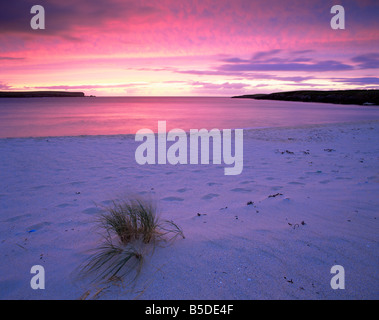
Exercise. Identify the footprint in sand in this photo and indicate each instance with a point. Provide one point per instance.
(95, 168)
(246, 182)
(76, 183)
(64, 205)
(214, 184)
(314, 172)
(39, 187)
(241, 190)
(13, 219)
(296, 183)
(182, 190)
(107, 202)
(38, 226)
(92, 210)
(210, 196)
(172, 199)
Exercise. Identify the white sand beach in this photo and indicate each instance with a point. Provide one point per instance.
(313, 195)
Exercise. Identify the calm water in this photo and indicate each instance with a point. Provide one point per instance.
(40, 117)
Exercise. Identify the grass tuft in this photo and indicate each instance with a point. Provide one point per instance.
(132, 229)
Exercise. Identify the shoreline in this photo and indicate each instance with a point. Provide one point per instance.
(132, 135)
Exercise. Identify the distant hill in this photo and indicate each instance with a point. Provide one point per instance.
(362, 97)
(39, 94)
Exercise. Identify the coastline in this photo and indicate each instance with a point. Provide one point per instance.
(325, 176)
(40, 94)
(359, 97)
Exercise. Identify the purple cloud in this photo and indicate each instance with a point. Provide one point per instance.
(286, 61)
(263, 54)
(244, 75)
(321, 66)
(64, 16)
(235, 60)
(302, 51)
(359, 81)
(11, 58)
(367, 61)
(226, 85)
(206, 72)
(88, 86)
(4, 86)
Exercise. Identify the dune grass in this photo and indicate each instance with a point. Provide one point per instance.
(136, 219)
(114, 261)
(132, 230)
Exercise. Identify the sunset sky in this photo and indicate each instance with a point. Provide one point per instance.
(188, 47)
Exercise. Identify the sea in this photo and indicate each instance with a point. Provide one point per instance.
(48, 117)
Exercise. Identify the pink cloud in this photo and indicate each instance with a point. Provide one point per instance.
(92, 41)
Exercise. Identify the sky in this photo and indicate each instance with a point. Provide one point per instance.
(188, 47)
